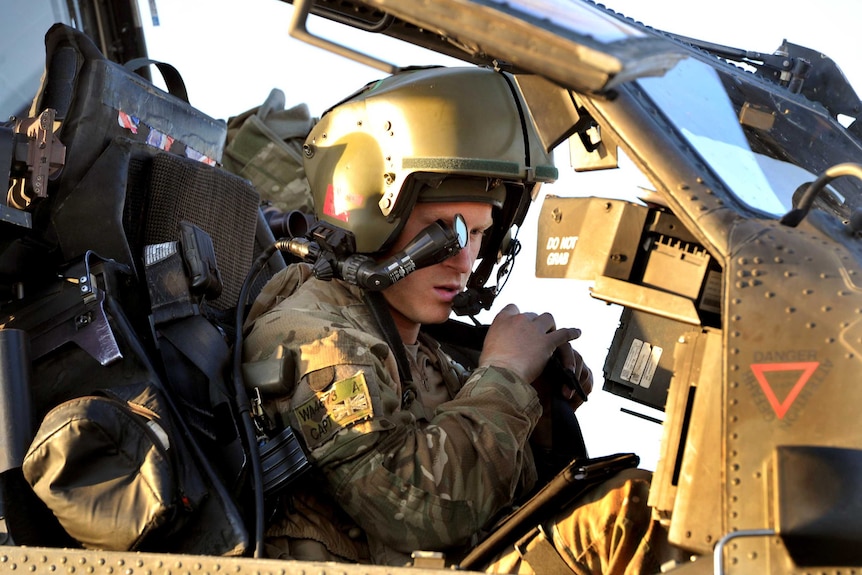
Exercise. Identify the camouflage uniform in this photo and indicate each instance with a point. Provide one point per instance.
(264, 145)
(426, 468)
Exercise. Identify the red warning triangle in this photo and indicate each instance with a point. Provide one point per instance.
(780, 408)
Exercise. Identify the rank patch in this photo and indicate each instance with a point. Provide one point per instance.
(344, 402)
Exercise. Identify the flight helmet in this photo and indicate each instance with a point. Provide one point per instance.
(398, 140)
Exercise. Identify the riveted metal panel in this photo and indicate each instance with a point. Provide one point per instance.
(793, 341)
(18, 560)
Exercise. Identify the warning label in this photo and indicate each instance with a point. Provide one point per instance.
(641, 362)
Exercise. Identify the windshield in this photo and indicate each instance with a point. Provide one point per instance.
(601, 26)
(764, 145)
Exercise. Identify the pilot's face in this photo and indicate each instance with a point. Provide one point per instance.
(426, 295)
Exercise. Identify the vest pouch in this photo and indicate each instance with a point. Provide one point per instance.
(114, 471)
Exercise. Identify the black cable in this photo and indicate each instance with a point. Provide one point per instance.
(243, 403)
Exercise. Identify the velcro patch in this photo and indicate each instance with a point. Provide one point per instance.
(344, 402)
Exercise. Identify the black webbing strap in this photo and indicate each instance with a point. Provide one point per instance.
(199, 343)
(173, 80)
(380, 310)
(197, 339)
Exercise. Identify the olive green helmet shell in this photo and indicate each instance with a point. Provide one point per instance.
(461, 121)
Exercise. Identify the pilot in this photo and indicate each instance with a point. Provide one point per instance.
(427, 457)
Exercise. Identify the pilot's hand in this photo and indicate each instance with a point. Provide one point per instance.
(524, 342)
(583, 377)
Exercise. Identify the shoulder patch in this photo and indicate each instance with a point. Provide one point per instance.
(343, 403)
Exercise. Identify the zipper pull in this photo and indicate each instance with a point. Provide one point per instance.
(258, 416)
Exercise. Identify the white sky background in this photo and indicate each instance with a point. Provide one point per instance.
(231, 54)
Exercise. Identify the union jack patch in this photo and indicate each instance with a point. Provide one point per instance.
(343, 403)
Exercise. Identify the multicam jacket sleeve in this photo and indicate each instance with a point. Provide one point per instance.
(410, 479)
